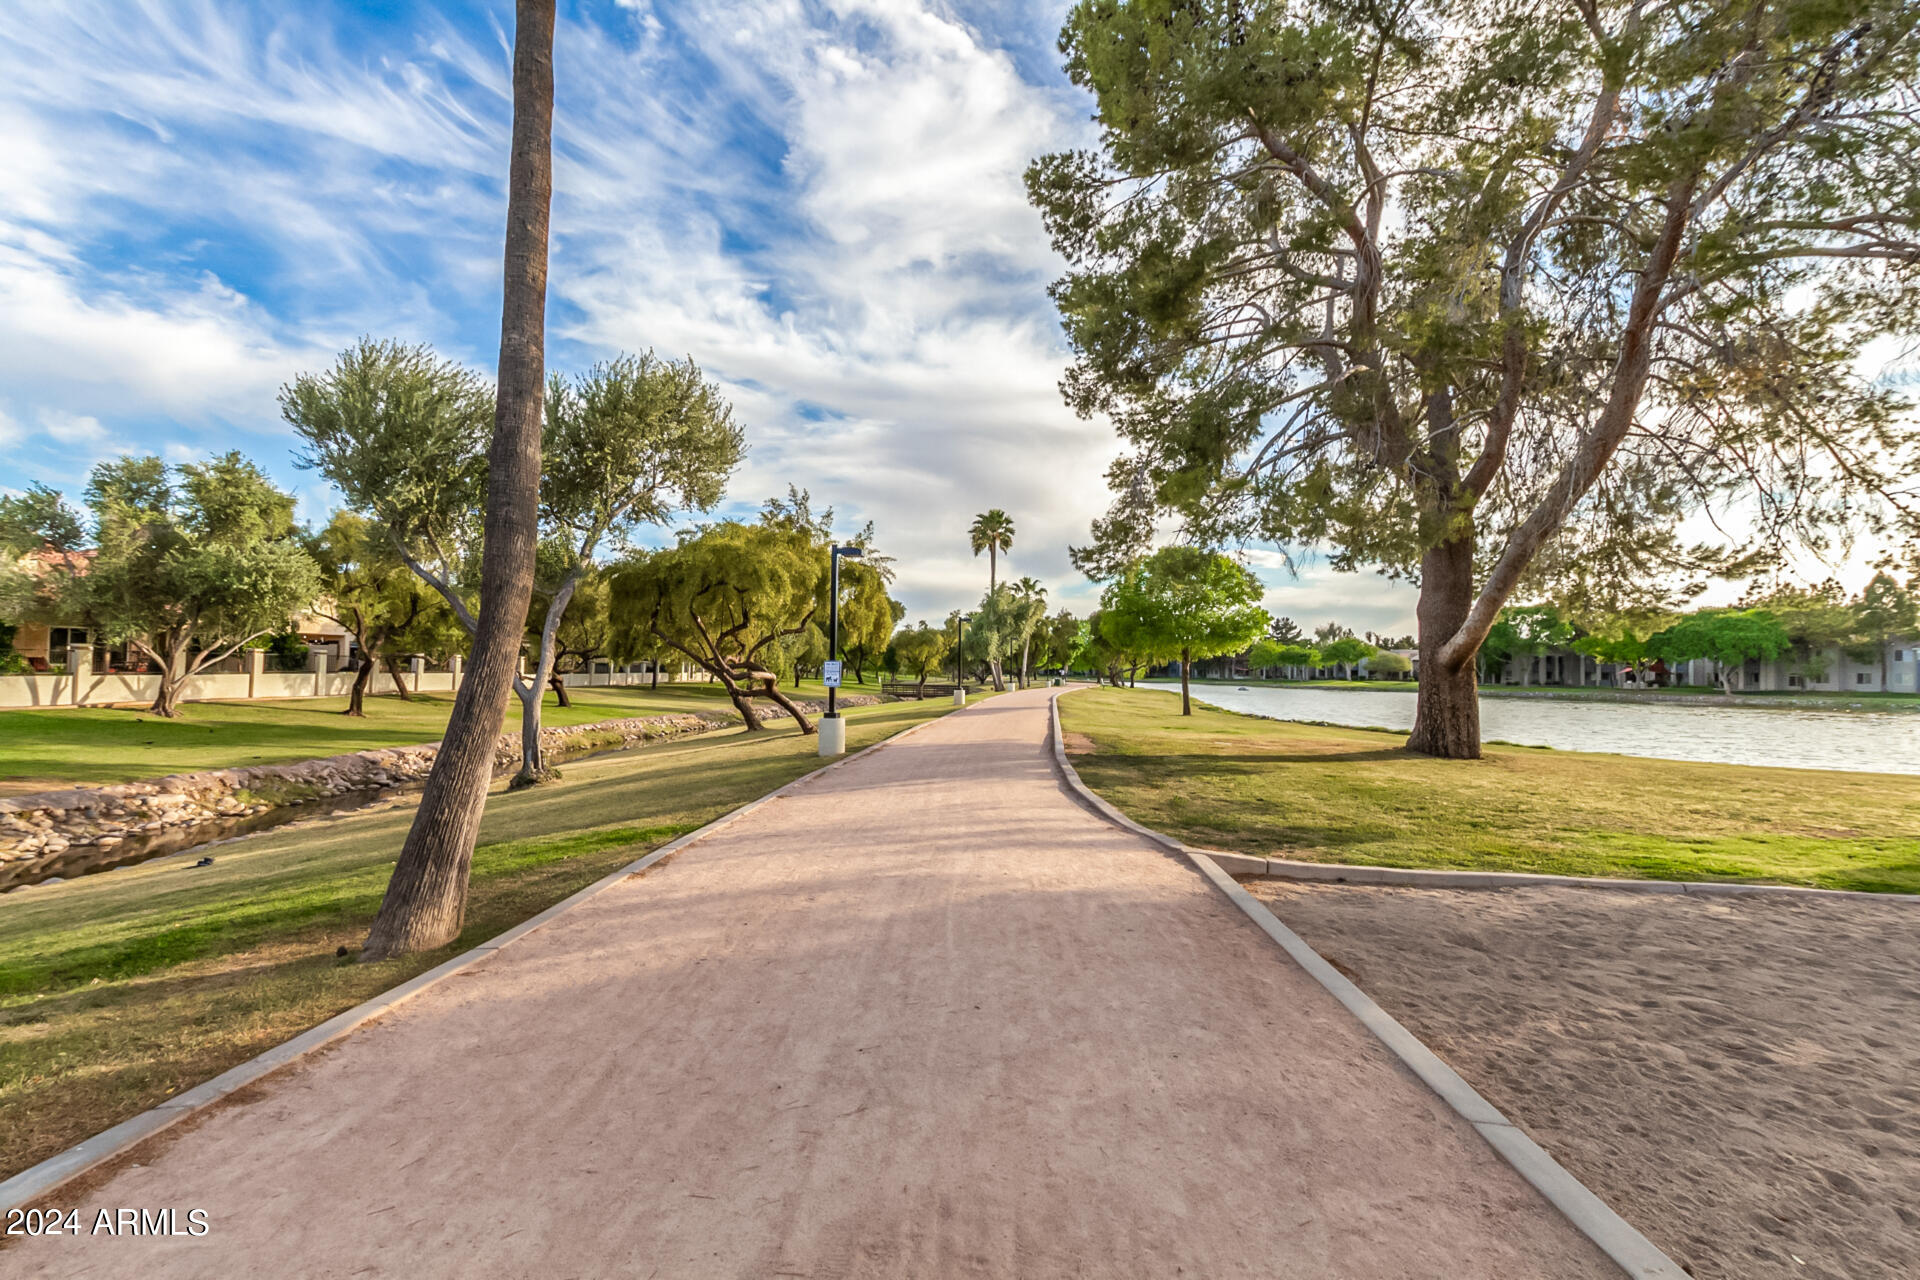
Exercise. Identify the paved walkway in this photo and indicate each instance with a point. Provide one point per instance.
(925, 1017)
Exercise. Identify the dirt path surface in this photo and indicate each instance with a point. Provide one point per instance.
(924, 1017)
(1737, 1077)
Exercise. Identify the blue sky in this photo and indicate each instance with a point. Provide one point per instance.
(821, 203)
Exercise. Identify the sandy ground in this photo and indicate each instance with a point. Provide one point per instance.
(925, 1017)
(1739, 1078)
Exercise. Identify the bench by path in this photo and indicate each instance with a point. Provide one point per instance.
(924, 1016)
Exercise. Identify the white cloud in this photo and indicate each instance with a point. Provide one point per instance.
(821, 202)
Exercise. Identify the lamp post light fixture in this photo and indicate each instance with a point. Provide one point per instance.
(833, 729)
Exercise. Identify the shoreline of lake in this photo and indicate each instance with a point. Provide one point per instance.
(1678, 728)
(1688, 696)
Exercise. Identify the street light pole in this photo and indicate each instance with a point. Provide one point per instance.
(959, 688)
(833, 735)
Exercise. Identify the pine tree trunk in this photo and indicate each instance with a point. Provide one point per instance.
(426, 899)
(1446, 718)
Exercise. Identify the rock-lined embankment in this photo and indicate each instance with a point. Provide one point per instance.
(54, 832)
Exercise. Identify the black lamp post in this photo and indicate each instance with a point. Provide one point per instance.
(965, 618)
(833, 617)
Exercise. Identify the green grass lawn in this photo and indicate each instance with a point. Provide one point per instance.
(119, 990)
(51, 747)
(1266, 787)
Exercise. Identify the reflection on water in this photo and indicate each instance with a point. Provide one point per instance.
(1860, 741)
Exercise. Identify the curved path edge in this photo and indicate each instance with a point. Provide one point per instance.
(1638, 1256)
(38, 1181)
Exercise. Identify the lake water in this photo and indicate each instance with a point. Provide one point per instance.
(1858, 741)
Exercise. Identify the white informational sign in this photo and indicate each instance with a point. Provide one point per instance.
(830, 674)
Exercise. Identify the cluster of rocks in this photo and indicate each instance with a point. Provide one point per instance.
(39, 828)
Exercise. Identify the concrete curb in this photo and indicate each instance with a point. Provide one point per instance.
(1636, 1255)
(37, 1181)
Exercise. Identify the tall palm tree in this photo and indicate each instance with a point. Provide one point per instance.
(1028, 589)
(426, 899)
(992, 532)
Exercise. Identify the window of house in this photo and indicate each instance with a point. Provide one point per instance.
(1796, 682)
(1899, 655)
(60, 638)
(1861, 677)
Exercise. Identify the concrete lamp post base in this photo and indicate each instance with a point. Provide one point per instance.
(959, 697)
(833, 735)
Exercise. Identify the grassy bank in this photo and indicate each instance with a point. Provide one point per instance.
(119, 990)
(50, 747)
(1322, 794)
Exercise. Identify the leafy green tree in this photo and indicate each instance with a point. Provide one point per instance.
(1185, 603)
(1527, 632)
(1728, 637)
(1885, 613)
(41, 541)
(193, 562)
(1816, 620)
(868, 616)
(1347, 653)
(366, 589)
(625, 644)
(1621, 638)
(1060, 640)
(404, 435)
(1441, 286)
(992, 532)
(1029, 589)
(724, 598)
(628, 443)
(1098, 652)
(919, 651)
(1003, 625)
(39, 517)
(1387, 663)
(1284, 656)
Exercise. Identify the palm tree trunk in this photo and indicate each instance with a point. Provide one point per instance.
(426, 899)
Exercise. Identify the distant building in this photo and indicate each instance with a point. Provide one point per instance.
(1840, 674)
(44, 644)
